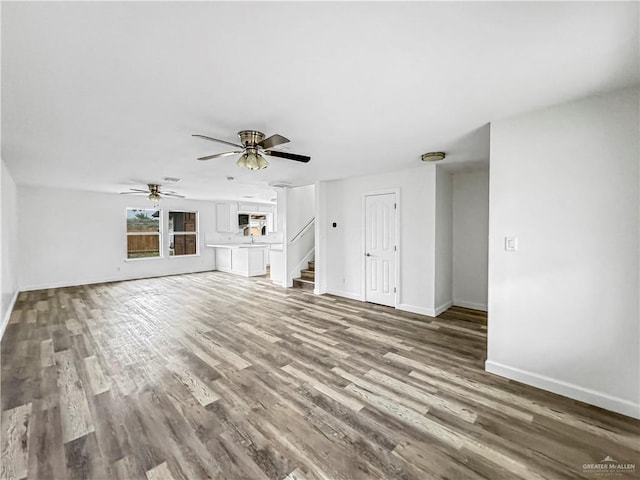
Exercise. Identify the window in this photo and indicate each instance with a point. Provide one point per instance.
(253, 224)
(183, 233)
(143, 233)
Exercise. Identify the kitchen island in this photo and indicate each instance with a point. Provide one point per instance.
(246, 259)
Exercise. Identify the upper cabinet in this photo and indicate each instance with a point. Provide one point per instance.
(227, 217)
(245, 207)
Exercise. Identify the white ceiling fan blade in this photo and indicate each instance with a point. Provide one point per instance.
(217, 155)
(218, 140)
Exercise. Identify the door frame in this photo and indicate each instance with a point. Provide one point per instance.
(363, 243)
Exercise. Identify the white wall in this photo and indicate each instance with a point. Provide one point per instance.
(301, 209)
(444, 241)
(301, 203)
(563, 309)
(8, 244)
(322, 226)
(470, 239)
(74, 238)
(341, 248)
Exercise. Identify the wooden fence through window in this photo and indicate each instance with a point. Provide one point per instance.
(143, 243)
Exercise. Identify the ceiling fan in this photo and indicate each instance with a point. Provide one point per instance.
(153, 193)
(254, 146)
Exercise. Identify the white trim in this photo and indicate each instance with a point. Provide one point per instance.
(363, 216)
(429, 312)
(472, 305)
(7, 315)
(566, 389)
(143, 258)
(159, 233)
(340, 293)
(443, 308)
(169, 234)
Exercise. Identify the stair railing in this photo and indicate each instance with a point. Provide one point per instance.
(303, 231)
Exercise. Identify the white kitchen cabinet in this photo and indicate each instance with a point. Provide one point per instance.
(245, 259)
(226, 217)
(245, 207)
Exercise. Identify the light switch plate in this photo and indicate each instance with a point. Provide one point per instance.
(511, 244)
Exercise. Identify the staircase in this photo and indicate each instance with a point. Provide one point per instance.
(307, 277)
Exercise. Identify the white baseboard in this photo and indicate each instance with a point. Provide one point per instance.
(471, 305)
(7, 315)
(443, 307)
(429, 312)
(340, 293)
(592, 397)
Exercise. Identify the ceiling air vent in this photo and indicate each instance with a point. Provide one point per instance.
(280, 184)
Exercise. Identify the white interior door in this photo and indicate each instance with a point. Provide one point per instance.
(380, 249)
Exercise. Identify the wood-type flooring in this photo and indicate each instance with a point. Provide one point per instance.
(216, 376)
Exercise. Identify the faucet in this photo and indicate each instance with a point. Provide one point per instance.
(251, 239)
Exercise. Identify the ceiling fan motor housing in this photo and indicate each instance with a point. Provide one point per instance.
(250, 138)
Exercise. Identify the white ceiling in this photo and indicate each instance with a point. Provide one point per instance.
(105, 96)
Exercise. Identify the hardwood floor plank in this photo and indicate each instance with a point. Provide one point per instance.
(83, 458)
(377, 337)
(15, 442)
(339, 397)
(332, 350)
(98, 382)
(47, 460)
(127, 468)
(74, 410)
(161, 472)
(433, 401)
(296, 475)
(259, 333)
(224, 354)
(46, 353)
(198, 387)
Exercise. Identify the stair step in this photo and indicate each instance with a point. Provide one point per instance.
(308, 274)
(302, 283)
(312, 265)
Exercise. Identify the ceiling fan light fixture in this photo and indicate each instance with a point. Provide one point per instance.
(155, 198)
(262, 162)
(433, 156)
(242, 161)
(252, 160)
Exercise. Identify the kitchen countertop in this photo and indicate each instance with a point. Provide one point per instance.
(238, 245)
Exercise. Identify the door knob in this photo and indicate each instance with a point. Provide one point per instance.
(368, 254)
